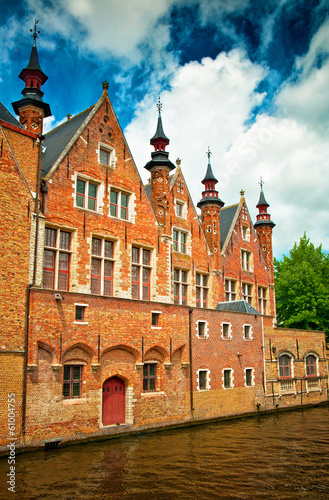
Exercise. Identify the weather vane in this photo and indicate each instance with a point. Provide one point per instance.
(209, 153)
(35, 31)
(261, 183)
(159, 105)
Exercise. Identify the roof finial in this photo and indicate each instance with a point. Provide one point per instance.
(159, 105)
(35, 32)
(261, 183)
(209, 153)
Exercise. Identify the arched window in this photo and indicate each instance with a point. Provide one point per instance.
(285, 366)
(310, 365)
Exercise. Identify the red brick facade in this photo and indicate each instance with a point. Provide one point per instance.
(117, 281)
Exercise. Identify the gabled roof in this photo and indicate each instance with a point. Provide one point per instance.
(227, 216)
(241, 306)
(58, 139)
(7, 117)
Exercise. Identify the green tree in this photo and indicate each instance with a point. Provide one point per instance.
(302, 287)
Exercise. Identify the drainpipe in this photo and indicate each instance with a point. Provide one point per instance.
(191, 358)
(28, 290)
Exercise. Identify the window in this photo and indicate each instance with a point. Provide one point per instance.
(230, 290)
(285, 366)
(72, 381)
(311, 366)
(227, 378)
(156, 319)
(180, 287)
(119, 204)
(106, 155)
(149, 371)
(56, 259)
(86, 194)
(245, 233)
(262, 299)
(202, 330)
(247, 332)
(249, 377)
(80, 313)
(140, 273)
(102, 263)
(246, 292)
(180, 209)
(246, 260)
(203, 380)
(226, 330)
(179, 241)
(201, 292)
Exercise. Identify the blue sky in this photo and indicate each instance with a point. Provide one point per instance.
(249, 78)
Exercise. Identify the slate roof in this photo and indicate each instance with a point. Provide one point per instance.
(262, 200)
(56, 140)
(7, 117)
(226, 218)
(241, 306)
(209, 175)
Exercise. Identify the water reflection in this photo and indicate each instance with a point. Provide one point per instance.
(282, 456)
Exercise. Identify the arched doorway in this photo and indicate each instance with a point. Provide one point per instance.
(113, 401)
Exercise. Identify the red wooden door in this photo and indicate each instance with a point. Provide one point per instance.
(113, 401)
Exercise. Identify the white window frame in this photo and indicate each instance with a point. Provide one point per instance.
(245, 232)
(183, 206)
(229, 336)
(244, 294)
(201, 288)
(102, 259)
(231, 378)
(84, 306)
(120, 192)
(208, 387)
(229, 292)
(111, 151)
(250, 335)
(179, 240)
(158, 313)
(246, 260)
(99, 193)
(180, 284)
(252, 376)
(206, 329)
(262, 299)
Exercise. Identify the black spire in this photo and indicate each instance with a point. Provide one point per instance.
(263, 218)
(160, 157)
(209, 174)
(210, 195)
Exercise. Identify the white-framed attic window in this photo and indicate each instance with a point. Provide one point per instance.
(106, 155)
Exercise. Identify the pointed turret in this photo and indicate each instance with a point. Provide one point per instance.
(160, 167)
(264, 226)
(31, 108)
(210, 206)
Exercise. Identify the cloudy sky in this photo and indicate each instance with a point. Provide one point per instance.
(248, 78)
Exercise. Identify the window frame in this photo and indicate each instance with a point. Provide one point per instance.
(247, 295)
(139, 267)
(86, 197)
(179, 241)
(111, 155)
(201, 290)
(103, 259)
(231, 378)
(205, 329)
(252, 376)
(262, 299)
(71, 381)
(148, 378)
(282, 366)
(57, 251)
(119, 207)
(229, 333)
(247, 331)
(228, 290)
(246, 260)
(308, 366)
(83, 307)
(205, 379)
(181, 286)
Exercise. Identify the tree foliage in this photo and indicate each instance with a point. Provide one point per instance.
(302, 287)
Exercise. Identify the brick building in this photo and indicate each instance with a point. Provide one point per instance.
(126, 309)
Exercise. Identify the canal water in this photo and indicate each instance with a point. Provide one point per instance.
(278, 456)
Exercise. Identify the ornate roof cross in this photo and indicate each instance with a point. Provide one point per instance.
(209, 153)
(35, 32)
(261, 183)
(159, 105)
